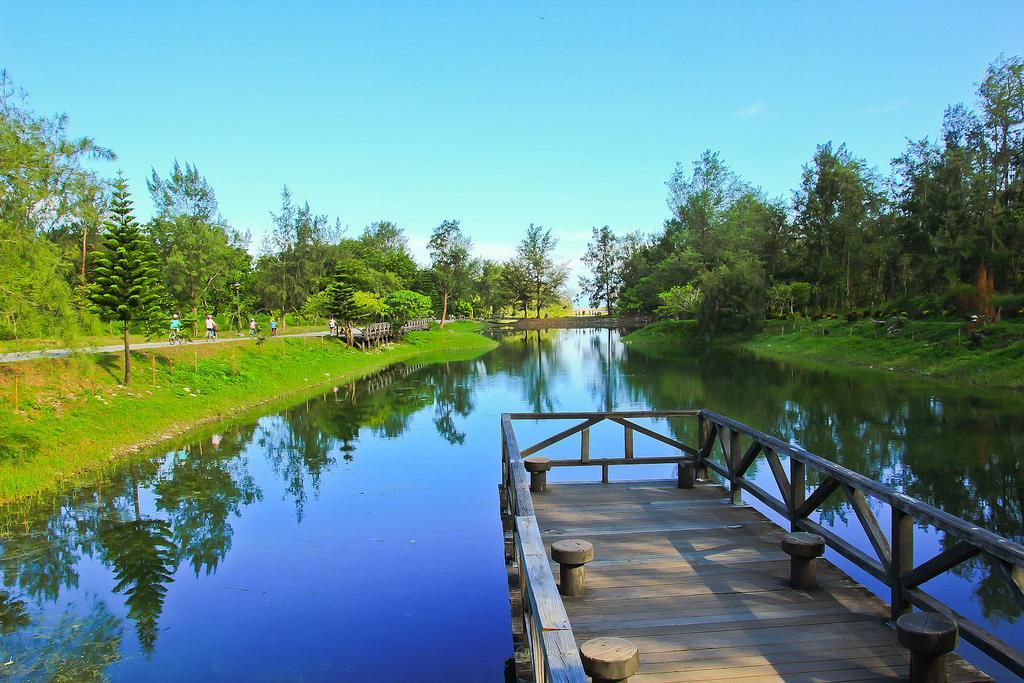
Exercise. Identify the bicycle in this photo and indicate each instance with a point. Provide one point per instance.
(177, 337)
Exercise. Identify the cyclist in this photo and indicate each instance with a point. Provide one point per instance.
(210, 333)
(273, 327)
(332, 326)
(175, 329)
(252, 327)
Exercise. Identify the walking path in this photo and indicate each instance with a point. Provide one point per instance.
(116, 348)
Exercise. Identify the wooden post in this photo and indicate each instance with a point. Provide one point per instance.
(585, 445)
(604, 473)
(735, 491)
(152, 367)
(797, 490)
(15, 393)
(703, 430)
(685, 475)
(197, 360)
(902, 561)
(629, 442)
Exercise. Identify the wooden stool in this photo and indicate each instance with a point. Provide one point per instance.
(538, 466)
(607, 660)
(571, 556)
(929, 636)
(686, 474)
(803, 550)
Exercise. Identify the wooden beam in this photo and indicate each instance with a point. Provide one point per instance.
(655, 435)
(779, 473)
(817, 497)
(947, 559)
(564, 434)
(871, 527)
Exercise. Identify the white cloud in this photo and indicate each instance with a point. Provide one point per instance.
(751, 110)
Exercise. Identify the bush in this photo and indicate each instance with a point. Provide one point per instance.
(1010, 305)
(679, 302)
(852, 316)
(733, 299)
(405, 305)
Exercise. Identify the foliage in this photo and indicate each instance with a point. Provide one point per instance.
(450, 261)
(732, 297)
(680, 302)
(126, 285)
(788, 298)
(368, 307)
(545, 276)
(405, 305)
(604, 259)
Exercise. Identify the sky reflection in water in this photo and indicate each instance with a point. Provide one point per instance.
(355, 536)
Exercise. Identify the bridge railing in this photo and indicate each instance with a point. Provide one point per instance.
(730, 449)
(891, 559)
(553, 652)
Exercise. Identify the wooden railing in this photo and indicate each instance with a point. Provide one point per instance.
(892, 560)
(547, 631)
(730, 449)
(415, 325)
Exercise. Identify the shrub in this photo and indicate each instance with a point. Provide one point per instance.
(733, 297)
(852, 316)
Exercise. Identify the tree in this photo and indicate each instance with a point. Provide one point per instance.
(604, 258)
(201, 254)
(489, 287)
(405, 305)
(732, 297)
(449, 257)
(516, 283)
(679, 302)
(126, 285)
(546, 277)
(836, 206)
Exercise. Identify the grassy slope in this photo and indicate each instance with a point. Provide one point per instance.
(921, 347)
(73, 418)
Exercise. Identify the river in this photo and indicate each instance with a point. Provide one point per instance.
(356, 537)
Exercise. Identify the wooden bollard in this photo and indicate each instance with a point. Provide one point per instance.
(608, 660)
(803, 549)
(571, 557)
(538, 466)
(929, 636)
(686, 474)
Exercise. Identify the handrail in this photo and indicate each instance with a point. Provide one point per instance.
(893, 561)
(549, 636)
(891, 556)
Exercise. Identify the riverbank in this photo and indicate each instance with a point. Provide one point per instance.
(939, 350)
(63, 418)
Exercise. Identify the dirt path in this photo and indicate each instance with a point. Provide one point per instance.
(118, 348)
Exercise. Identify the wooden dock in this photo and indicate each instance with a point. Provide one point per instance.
(701, 588)
(699, 582)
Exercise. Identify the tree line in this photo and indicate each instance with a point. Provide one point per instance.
(75, 256)
(941, 234)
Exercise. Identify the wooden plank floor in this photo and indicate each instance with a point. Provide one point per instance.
(700, 587)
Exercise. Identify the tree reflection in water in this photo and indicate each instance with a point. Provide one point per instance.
(174, 516)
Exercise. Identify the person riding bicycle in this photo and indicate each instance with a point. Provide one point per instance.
(273, 328)
(252, 327)
(175, 327)
(210, 334)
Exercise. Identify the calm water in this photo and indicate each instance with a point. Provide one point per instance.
(356, 536)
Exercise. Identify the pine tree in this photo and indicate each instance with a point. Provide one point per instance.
(127, 284)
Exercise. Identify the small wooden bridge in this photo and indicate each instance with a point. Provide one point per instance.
(699, 583)
(376, 334)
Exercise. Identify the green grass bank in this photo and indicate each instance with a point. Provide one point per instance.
(939, 350)
(61, 419)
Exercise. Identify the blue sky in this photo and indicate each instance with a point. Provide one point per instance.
(500, 114)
